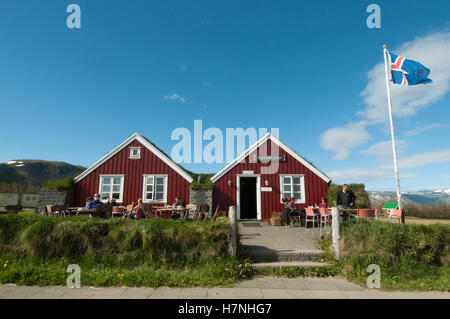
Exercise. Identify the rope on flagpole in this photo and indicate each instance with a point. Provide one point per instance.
(394, 148)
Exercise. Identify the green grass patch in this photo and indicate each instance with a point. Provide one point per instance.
(67, 183)
(36, 250)
(205, 181)
(411, 257)
(296, 272)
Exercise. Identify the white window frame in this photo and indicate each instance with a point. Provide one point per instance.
(138, 156)
(100, 184)
(144, 188)
(301, 200)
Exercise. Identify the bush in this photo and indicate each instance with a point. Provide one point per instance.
(67, 183)
(362, 197)
(205, 181)
(156, 240)
(410, 256)
(152, 252)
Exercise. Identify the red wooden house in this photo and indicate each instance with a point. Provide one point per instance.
(268, 171)
(134, 169)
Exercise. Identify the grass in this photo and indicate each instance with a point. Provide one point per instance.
(152, 253)
(411, 257)
(297, 272)
(67, 183)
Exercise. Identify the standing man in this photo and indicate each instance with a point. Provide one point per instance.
(346, 198)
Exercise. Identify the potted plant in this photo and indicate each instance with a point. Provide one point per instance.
(275, 219)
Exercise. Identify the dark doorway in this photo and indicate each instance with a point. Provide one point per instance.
(247, 198)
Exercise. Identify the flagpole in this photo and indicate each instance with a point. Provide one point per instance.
(394, 148)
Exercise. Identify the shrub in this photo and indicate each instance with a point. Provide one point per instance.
(156, 240)
(410, 256)
(67, 183)
(205, 181)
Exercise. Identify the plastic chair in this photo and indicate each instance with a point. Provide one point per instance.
(325, 218)
(367, 213)
(395, 214)
(310, 217)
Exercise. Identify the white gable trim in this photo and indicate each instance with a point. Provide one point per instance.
(261, 142)
(149, 146)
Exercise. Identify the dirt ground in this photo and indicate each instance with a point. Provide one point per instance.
(421, 221)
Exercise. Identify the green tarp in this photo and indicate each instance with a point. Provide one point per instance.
(390, 205)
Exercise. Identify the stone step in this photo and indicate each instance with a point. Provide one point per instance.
(271, 256)
(277, 264)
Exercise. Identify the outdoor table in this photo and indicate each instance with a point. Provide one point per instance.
(72, 210)
(86, 212)
(166, 212)
(346, 213)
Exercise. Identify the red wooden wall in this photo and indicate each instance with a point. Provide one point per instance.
(315, 187)
(133, 169)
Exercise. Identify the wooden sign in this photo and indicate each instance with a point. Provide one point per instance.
(270, 158)
(247, 172)
(266, 189)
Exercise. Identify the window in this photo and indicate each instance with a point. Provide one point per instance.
(111, 186)
(293, 186)
(135, 152)
(155, 189)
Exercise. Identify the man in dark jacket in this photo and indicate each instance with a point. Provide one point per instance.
(346, 198)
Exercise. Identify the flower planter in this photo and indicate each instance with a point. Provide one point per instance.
(276, 222)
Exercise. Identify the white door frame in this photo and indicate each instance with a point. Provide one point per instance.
(258, 194)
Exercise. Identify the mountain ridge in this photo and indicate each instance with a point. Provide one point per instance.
(32, 172)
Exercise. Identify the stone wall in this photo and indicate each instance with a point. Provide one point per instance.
(54, 197)
(201, 197)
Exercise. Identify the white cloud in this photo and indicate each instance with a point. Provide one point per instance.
(342, 139)
(383, 149)
(423, 159)
(364, 174)
(421, 129)
(432, 51)
(174, 96)
(386, 171)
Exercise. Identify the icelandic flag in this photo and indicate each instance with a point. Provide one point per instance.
(408, 72)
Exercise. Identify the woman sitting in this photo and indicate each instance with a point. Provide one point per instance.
(139, 209)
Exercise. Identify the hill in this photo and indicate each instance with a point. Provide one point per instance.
(30, 175)
(424, 197)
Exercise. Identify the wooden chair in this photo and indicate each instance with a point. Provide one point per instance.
(48, 210)
(189, 207)
(129, 212)
(204, 209)
(58, 211)
(395, 214)
(367, 213)
(325, 218)
(148, 212)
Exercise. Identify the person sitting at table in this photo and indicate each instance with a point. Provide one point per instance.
(323, 203)
(112, 201)
(178, 204)
(139, 210)
(94, 203)
(88, 200)
(286, 211)
(294, 212)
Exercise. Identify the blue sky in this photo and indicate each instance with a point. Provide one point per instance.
(309, 68)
